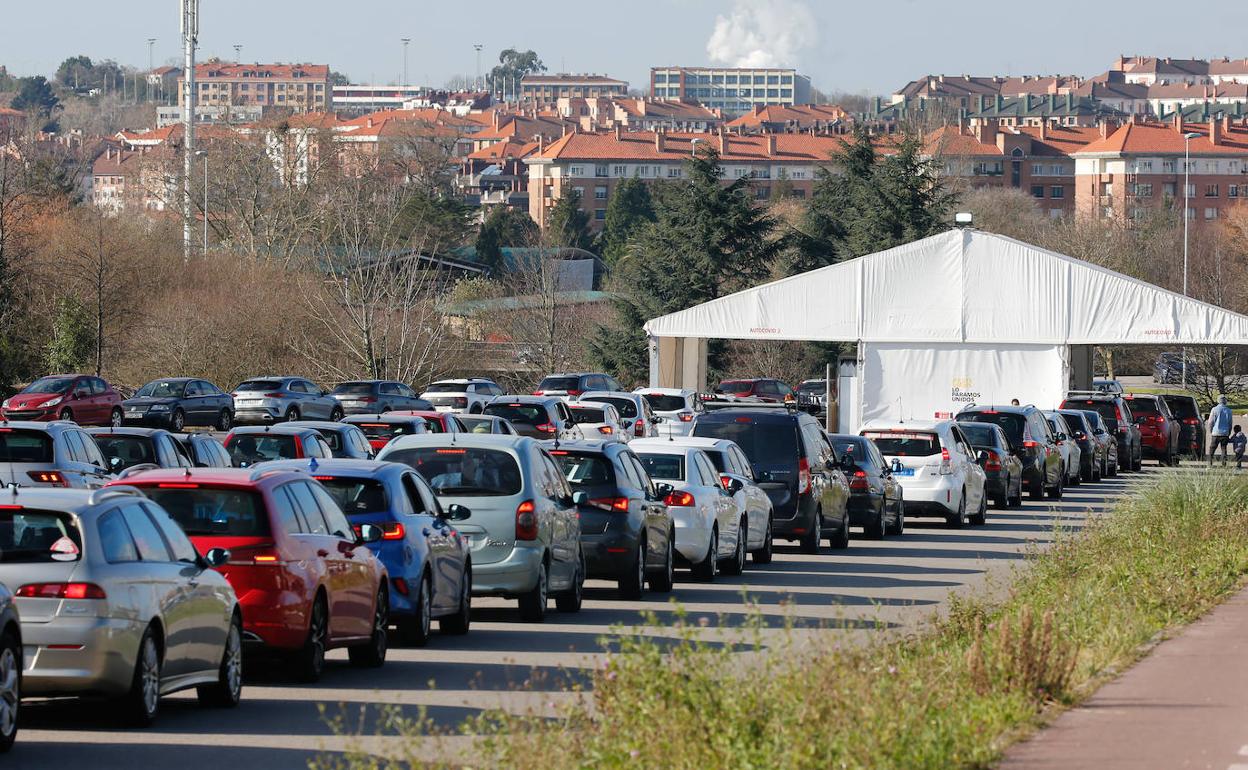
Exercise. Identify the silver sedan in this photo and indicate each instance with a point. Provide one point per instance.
(115, 601)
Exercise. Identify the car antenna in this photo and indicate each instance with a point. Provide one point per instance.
(312, 465)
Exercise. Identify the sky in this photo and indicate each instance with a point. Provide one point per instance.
(844, 46)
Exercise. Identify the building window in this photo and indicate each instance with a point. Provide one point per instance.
(1057, 170)
(600, 193)
(760, 80)
(600, 214)
(762, 193)
(576, 171)
(799, 193)
(1191, 191)
(619, 170)
(786, 93)
(1169, 189)
(600, 170)
(786, 79)
(660, 78)
(1211, 213)
(1211, 191)
(1169, 167)
(1144, 167)
(1037, 169)
(730, 80)
(673, 172)
(1037, 191)
(1057, 191)
(1232, 191)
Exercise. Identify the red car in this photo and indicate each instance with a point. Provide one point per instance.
(85, 399)
(435, 422)
(305, 580)
(380, 428)
(764, 389)
(1159, 429)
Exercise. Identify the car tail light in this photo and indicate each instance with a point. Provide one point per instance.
(686, 418)
(272, 395)
(400, 586)
(725, 481)
(61, 591)
(803, 476)
(180, 485)
(858, 482)
(994, 461)
(946, 462)
(1191, 421)
(606, 430)
(264, 555)
(679, 498)
(461, 402)
(526, 521)
(639, 429)
(1029, 444)
(48, 477)
(614, 503)
(538, 393)
(575, 392)
(545, 427)
(390, 530)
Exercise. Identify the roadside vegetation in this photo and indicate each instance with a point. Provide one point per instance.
(953, 695)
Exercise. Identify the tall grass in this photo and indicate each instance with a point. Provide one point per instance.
(952, 695)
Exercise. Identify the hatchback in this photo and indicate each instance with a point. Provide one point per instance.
(936, 466)
(875, 497)
(598, 422)
(346, 441)
(1065, 438)
(484, 423)
(305, 581)
(1003, 471)
(627, 533)
(376, 396)
(1159, 430)
(204, 451)
(1101, 434)
(50, 454)
(277, 399)
(379, 429)
(676, 406)
(250, 445)
(80, 398)
(426, 558)
(1031, 441)
(737, 476)
(572, 384)
(1091, 451)
(116, 601)
(1191, 424)
(177, 402)
(131, 449)
(524, 529)
(461, 396)
(635, 415)
(1116, 414)
(435, 422)
(540, 417)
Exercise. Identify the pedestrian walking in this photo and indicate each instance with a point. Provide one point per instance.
(1219, 423)
(1239, 442)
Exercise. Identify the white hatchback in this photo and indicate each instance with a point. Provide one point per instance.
(936, 466)
(676, 408)
(598, 422)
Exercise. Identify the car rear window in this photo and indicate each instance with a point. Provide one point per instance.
(31, 536)
(25, 446)
(737, 386)
(979, 434)
(388, 430)
(625, 406)
(356, 495)
(355, 388)
(585, 469)
(560, 383)
(477, 424)
(126, 451)
(249, 449)
(201, 510)
(766, 443)
(1076, 422)
(526, 414)
(1014, 424)
(446, 387)
(472, 471)
(905, 443)
(662, 403)
(664, 467)
(580, 415)
(1108, 410)
(1145, 404)
(1183, 407)
(260, 385)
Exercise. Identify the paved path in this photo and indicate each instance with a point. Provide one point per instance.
(506, 663)
(1184, 706)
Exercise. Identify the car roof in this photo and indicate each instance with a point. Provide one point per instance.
(336, 466)
(661, 446)
(283, 429)
(666, 391)
(76, 501)
(172, 379)
(924, 425)
(257, 476)
(631, 396)
(702, 442)
(458, 380)
(427, 413)
(385, 418)
(1003, 408)
(583, 446)
(753, 410)
(516, 399)
(106, 431)
(318, 424)
(575, 374)
(449, 440)
(54, 427)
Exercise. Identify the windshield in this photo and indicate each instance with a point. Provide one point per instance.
(979, 434)
(162, 389)
(585, 470)
(260, 385)
(766, 444)
(560, 383)
(353, 388)
(1012, 423)
(739, 387)
(447, 387)
(905, 444)
(356, 495)
(582, 416)
(214, 511)
(526, 414)
(665, 467)
(29, 536)
(661, 403)
(1183, 407)
(249, 449)
(816, 387)
(49, 385)
(25, 446)
(467, 471)
(126, 451)
(626, 407)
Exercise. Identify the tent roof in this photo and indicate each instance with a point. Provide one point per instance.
(960, 286)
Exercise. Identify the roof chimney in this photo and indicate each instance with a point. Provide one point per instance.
(723, 143)
(1215, 131)
(619, 131)
(1104, 126)
(660, 142)
(1044, 129)
(1178, 119)
(771, 145)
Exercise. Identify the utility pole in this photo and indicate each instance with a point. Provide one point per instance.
(1187, 196)
(238, 53)
(151, 43)
(190, 37)
(477, 47)
(404, 41)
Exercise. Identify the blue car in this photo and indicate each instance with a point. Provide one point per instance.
(426, 558)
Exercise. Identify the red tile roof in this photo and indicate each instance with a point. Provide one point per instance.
(231, 70)
(801, 114)
(1165, 139)
(641, 145)
(952, 142)
(503, 150)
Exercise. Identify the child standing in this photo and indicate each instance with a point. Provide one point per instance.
(1239, 442)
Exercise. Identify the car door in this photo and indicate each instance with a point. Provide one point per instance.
(355, 563)
(563, 417)
(323, 547)
(87, 460)
(757, 502)
(653, 510)
(724, 508)
(972, 475)
(444, 544)
(565, 530)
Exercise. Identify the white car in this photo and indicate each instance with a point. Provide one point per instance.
(636, 417)
(737, 476)
(709, 524)
(676, 406)
(936, 466)
(461, 396)
(599, 422)
(1072, 455)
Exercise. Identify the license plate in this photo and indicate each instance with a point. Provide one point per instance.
(249, 402)
(904, 471)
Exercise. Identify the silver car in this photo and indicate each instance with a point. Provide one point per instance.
(50, 454)
(115, 601)
(10, 669)
(263, 400)
(523, 525)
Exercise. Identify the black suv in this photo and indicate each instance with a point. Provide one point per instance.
(1031, 441)
(794, 464)
(1118, 418)
(1191, 424)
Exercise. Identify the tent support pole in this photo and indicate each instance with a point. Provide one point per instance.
(652, 344)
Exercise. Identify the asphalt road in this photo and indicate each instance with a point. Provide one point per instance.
(874, 586)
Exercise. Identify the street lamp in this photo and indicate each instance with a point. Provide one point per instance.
(405, 41)
(204, 154)
(477, 47)
(1187, 195)
(151, 43)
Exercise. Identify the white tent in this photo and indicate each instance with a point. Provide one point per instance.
(960, 317)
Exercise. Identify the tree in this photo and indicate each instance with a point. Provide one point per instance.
(73, 339)
(514, 65)
(628, 212)
(75, 72)
(503, 227)
(34, 94)
(569, 224)
(339, 79)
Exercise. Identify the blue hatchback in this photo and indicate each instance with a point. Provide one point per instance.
(426, 557)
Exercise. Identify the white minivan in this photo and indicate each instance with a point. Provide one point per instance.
(936, 466)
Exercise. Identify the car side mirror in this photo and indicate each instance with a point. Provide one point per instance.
(731, 485)
(663, 490)
(457, 512)
(656, 420)
(580, 497)
(369, 533)
(981, 456)
(569, 425)
(896, 465)
(216, 557)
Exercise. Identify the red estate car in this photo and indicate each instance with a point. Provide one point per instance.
(85, 399)
(305, 581)
(435, 422)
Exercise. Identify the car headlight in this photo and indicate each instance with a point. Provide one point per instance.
(54, 401)
(159, 408)
(4, 404)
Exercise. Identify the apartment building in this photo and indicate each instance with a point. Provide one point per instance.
(731, 90)
(297, 87)
(545, 90)
(821, 118)
(357, 99)
(133, 179)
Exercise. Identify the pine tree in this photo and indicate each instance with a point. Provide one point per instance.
(569, 225)
(504, 227)
(630, 210)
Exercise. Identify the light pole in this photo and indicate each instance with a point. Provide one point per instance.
(190, 36)
(405, 41)
(1187, 195)
(238, 53)
(204, 154)
(151, 43)
(477, 47)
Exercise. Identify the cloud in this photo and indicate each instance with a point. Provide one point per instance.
(762, 33)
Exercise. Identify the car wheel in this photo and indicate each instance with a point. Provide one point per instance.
(457, 624)
(809, 542)
(292, 414)
(956, 519)
(662, 581)
(228, 689)
(10, 690)
(708, 568)
(372, 654)
(140, 706)
(1036, 491)
(572, 599)
(980, 517)
(633, 582)
(876, 529)
(114, 418)
(1074, 479)
(533, 604)
(178, 422)
(225, 420)
(737, 565)
(310, 660)
(1056, 492)
(899, 526)
(415, 631)
(764, 555)
(1002, 502)
(840, 538)
(66, 414)
(336, 414)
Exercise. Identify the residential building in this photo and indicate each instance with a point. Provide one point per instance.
(296, 87)
(772, 119)
(636, 114)
(211, 114)
(545, 90)
(129, 179)
(1054, 109)
(731, 90)
(497, 174)
(355, 100)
